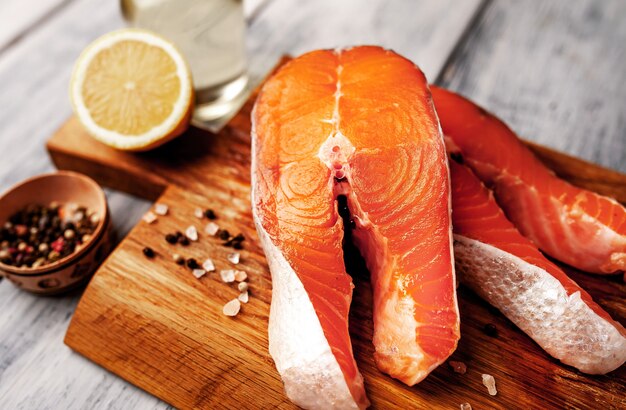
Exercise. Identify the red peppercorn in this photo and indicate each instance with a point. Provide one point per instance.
(21, 230)
(58, 245)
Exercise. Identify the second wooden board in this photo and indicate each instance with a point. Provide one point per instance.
(151, 322)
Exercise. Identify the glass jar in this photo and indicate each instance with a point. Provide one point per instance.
(211, 36)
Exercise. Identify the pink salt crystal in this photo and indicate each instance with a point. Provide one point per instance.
(227, 275)
(232, 307)
(211, 229)
(149, 217)
(233, 258)
(208, 265)
(161, 209)
(490, 384)
(191, 233)
(240, 276)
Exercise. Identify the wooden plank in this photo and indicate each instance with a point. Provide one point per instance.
(35, 77)
(553, 71)
(133, 320)
(423, 31)
(21, 16)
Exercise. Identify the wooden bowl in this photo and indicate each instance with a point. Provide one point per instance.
(75, 269)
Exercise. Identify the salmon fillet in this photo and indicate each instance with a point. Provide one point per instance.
(355, 126)
(579, 227)
(508, 271)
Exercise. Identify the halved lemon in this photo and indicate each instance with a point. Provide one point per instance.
(132, 90)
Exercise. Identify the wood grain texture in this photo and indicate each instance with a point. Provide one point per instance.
(554, 71)
(134, 320)
(423, 31)
(19, 17)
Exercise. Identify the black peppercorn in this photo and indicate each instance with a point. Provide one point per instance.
(210, 214)
(183, 240)
(171, 238)
(192, 263)
(224, 234)
(148, 252)
(490, 330)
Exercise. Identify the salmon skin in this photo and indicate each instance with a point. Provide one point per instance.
(573, 225)
(355, 125)
(508, 271)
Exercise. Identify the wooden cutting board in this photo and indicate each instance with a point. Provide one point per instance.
(152, 323)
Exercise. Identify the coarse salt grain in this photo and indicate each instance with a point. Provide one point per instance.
(465, 406)
(240, 276)
(191, 233)
(490, 384)
(242, 286)
(198, 273)
(149, 217)
(232, 307)
(208, 265)
(243, 297)
(458, 367)
(211, 229)
(198, 213)
(227, 275)
(161, 209)
(233, 258)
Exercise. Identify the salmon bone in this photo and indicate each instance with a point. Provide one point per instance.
(335, 153)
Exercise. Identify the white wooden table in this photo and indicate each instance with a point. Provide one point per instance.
(553, 70)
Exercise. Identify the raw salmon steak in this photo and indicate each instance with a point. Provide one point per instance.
(508, 271)
(355, 126)
(578, 227)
